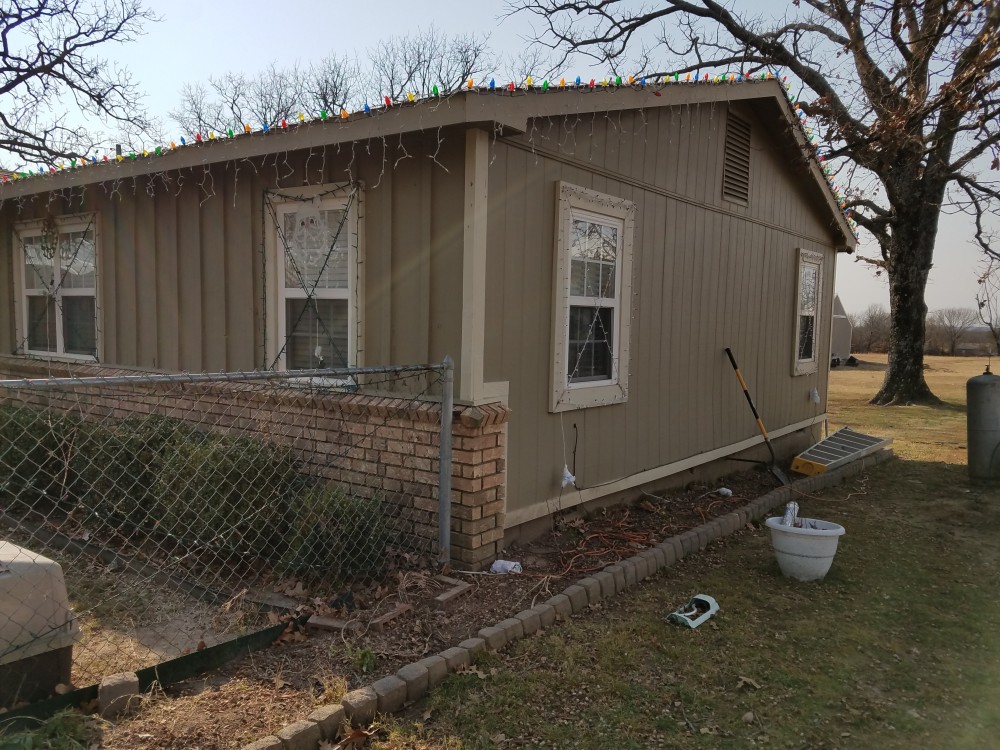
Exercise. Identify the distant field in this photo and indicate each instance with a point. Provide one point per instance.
(919, 432)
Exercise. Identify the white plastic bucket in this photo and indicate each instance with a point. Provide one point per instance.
(805, 554)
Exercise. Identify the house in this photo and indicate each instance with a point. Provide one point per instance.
(584, 253)
(842, 331)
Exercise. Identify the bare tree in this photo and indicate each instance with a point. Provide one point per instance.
(988, 300)
(416, 64)
(951, 323)
(871, 330)
(51, 76)
(234, 100)
(907, 94)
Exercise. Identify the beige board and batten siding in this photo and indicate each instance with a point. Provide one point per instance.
(707, 273)
(181, 271)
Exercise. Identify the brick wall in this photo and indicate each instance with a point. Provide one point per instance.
(378, 446)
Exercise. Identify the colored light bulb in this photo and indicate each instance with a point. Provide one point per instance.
(545, 85)
(284, 123)
(578, 80)
(410, 96)
(618, 80)
(322, 114)
(229, 132)
(246, 127)
(211, 135)
(368, 110)
(388, 102)
(562, 83)
(470, 84)
(343, 114)
(302, 117)
(493, 84)
(528, 81)
(266, 128)
(435, 91)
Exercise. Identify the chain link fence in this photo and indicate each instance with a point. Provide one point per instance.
(146, 516)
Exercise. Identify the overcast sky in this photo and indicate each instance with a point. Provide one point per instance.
(196, 39)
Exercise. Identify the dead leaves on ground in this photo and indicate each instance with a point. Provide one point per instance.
(351, 738)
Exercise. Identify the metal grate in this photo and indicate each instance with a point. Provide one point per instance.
(843, 446)
(736, 169)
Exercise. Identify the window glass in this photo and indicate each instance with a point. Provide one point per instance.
(807, 326)
(78, 260)
(316, 249)
(37, 267)
(80, 325)
(41, 323)
(316, 333)
(591, 344)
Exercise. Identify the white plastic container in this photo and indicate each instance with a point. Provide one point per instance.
(805, 554)
(37, 626)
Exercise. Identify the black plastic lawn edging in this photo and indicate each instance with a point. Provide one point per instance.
(165, 674)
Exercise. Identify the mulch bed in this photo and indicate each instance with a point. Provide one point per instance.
(264, 691)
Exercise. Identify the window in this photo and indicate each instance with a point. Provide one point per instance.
(593, 289)
(316, 242)
(58, 288)
(807, 307)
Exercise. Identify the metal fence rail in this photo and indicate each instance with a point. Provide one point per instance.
(181, 508)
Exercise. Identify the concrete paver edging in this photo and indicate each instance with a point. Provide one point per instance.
(413, 680)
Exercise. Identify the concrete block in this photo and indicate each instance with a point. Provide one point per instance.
(494, 637)
(546, 614)
(628, 574)
(300, 735)
(417, 680)
(530, 623)
(265, 743)
(607, 583)
(649, 562)
(593, 589)
(437, 670)
(360, 705)
(329, 719)
(562, 606)
(475, 646)
(117, 693)
(456, 658)
(578, 597)
(513, 627)
(391, 692)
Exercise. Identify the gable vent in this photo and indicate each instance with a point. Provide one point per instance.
(736, 171)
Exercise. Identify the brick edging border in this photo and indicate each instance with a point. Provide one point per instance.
(413, 681)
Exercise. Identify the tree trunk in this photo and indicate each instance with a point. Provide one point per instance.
(911, 263)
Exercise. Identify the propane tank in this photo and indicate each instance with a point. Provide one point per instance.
(983, 423)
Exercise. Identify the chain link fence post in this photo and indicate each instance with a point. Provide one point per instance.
(444, 463)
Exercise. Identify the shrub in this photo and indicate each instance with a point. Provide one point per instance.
(118, 465)
(229, 492)
(336, 534)
(34, 445)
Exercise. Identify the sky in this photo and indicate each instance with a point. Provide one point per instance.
(196, 39)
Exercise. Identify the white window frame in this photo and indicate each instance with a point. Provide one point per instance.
(807, 258)
(333, 197)
(574, 202)
(22, 292)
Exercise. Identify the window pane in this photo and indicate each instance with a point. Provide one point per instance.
(808, 289)
(79, 325)
(37, 268)
(593, 258)
(315, 254)
(316, 332)
(41, 323)
(591, 346)
(807, 326)
(78, 257)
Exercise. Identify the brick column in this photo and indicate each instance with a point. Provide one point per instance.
(479, 484)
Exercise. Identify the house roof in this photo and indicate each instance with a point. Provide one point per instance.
(505, 111)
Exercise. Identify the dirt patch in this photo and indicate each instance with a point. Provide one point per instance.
(268, 689)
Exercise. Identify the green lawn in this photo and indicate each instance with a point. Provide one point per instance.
(898, 648)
